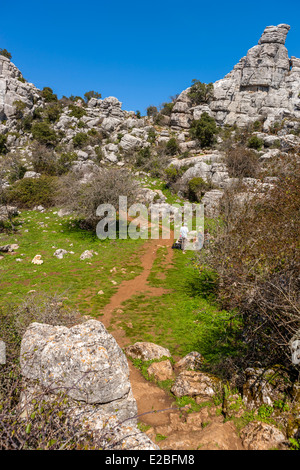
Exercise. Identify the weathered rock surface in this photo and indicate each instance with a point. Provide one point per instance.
(264, 85)
(195, 384)
(263, 387)
(85, 360)
(191, 361)
(261, 436)
(147, 351)
(13, 89)
(85, 364)
(161, 370)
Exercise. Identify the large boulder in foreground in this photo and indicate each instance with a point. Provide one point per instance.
(83, 374)
(85, 361)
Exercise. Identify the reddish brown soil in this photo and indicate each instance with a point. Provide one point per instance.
(156, 408)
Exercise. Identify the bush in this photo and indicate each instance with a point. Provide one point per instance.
(80, 139)
(44, 160)
(167, 109)
(44, 134)
(77, 111)
(20, 107)
(256, 257)
(30, 192)
(196, 189)
(53, 112)
(105, 187)
(48, 95)
(201, 93)
(3, 140)
(242, 163)
(152, 111)
(64, 162)
(92, 94)
(5, 53)
(255, 143)
(204, 130)
(172, 147)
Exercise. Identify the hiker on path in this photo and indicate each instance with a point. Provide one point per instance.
(183, 234)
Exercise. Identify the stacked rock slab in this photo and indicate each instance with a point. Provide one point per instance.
(264, 85)
(13, 88)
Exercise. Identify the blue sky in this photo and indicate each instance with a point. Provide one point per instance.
(139, 51)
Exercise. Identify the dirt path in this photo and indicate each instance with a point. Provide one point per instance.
(178, 429)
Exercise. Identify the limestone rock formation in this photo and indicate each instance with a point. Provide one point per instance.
(13, 88)
(84, 364)
(264, 85)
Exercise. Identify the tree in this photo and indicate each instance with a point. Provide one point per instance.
(152, 111)
(5, 53)
(92, 94)
(201, 93)
(204, 130)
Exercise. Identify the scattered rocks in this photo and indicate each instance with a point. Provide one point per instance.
(9, 248)
(195, 384)
(60, 253)
(88, 254)
(191, 361)
(37, 260)
(161, 370)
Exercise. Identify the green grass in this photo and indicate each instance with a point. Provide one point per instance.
(180, 319)
(78, 281)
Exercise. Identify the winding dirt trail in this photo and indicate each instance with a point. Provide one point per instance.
(178, 429)
(149, 397)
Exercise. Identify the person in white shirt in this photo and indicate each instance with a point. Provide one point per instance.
(183, 234)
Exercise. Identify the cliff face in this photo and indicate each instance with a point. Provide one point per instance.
(12, 88)
(264, 85)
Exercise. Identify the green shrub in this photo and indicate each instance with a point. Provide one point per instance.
(30, 192)
(65, 161)
(196, 188)
(151, 135)
(43, 133)
(152, 111)
(5, 53)
(21, 79)
(92, 94)
(3, 148)
(77, 111)
(201, 92)
(53, 112)
(172, 147)
(167, 109)
(204, 130)
(48, 95)
(20, 107)
(80, 139)
(255, 143)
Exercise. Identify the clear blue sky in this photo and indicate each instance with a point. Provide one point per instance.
(142, 52)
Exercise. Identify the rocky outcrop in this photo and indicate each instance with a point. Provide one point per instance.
(264, 85)
(14, 88)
